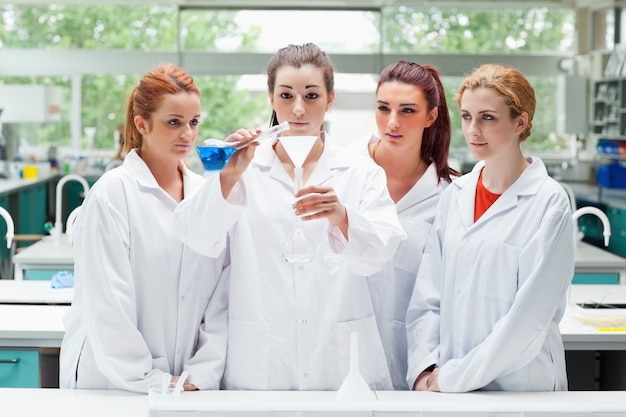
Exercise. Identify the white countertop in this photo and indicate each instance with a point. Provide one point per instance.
(97, 403)
(33, 292)
(31, 325)
(12, 184)
(590, 257)
(48, 250)
(48, 253)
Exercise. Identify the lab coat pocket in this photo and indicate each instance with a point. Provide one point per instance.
(499, 268)
(372, 362)
(247, 358)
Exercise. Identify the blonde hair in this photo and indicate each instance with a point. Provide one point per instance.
(518, 93)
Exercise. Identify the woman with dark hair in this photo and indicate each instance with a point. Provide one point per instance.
(412, 146)
(145, 305)
(290, 323)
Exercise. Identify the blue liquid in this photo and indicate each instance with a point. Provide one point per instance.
(214, 158)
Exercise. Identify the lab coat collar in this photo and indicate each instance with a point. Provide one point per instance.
(144, 177)
(527, 184)
(422, 190)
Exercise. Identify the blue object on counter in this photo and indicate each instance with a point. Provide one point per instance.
(62, 279)
(612, 175)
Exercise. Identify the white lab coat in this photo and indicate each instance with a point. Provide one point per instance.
(290, 324)
(144, 304)
(391, 287)
(489, 295)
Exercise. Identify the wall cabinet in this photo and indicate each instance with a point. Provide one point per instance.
(609, 108)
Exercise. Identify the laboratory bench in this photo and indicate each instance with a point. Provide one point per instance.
(100, 403)
(31, 331)
(50, 254)
(31, 319)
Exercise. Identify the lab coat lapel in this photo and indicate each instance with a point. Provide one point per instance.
(422, 190)
(527, 184)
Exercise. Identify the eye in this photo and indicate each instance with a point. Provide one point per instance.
(382, 107)
(194, 122)
(173, 122)
(408, 110)
(312, 96)
(465, 116)
(285, 95)
(488, 117)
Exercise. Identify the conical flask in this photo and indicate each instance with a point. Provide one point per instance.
(298, 246)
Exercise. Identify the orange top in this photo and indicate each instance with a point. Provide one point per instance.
(484, 198)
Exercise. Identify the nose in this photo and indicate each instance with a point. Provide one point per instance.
(472, 129)
(393, 123)
(298, 107)
(187, 131)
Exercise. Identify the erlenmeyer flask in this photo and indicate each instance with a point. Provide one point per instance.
(298, 246)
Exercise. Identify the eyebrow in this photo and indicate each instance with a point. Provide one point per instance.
(180, 116)
(306, 86)
(401, 104)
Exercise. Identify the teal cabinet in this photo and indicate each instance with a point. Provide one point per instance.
(4, 252)
(32, 209)
(617, 244)
(19, 368)
(596, 279)
(73, 196)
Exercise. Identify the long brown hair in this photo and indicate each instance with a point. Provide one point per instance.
(436, 139)
(146, 97)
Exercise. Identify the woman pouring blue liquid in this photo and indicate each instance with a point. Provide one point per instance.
(290, 322)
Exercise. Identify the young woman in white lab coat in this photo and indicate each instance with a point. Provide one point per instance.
(491, 288)
(145, 304)
(290, 323)
(412, 146)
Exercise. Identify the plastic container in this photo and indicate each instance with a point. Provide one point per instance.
(612, 175)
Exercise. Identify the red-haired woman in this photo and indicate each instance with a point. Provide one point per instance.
(144, 303)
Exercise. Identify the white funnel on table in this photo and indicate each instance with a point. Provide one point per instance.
(354, 387)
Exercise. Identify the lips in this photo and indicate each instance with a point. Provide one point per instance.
(392, 135)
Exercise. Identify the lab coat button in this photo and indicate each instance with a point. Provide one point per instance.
(182, 298)
(458, 292)
(306, 375)
(301, 267)
(303, 321)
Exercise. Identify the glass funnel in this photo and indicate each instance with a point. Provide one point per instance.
(298, 247)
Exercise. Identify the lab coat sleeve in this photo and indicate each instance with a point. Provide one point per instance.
(111, 319)
(546, 267)
(374, 231)
(206, 367)
(422, 318)
(202, 220)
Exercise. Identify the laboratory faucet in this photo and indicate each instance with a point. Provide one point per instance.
(58, 224)
(10, 226)
(600, 214)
